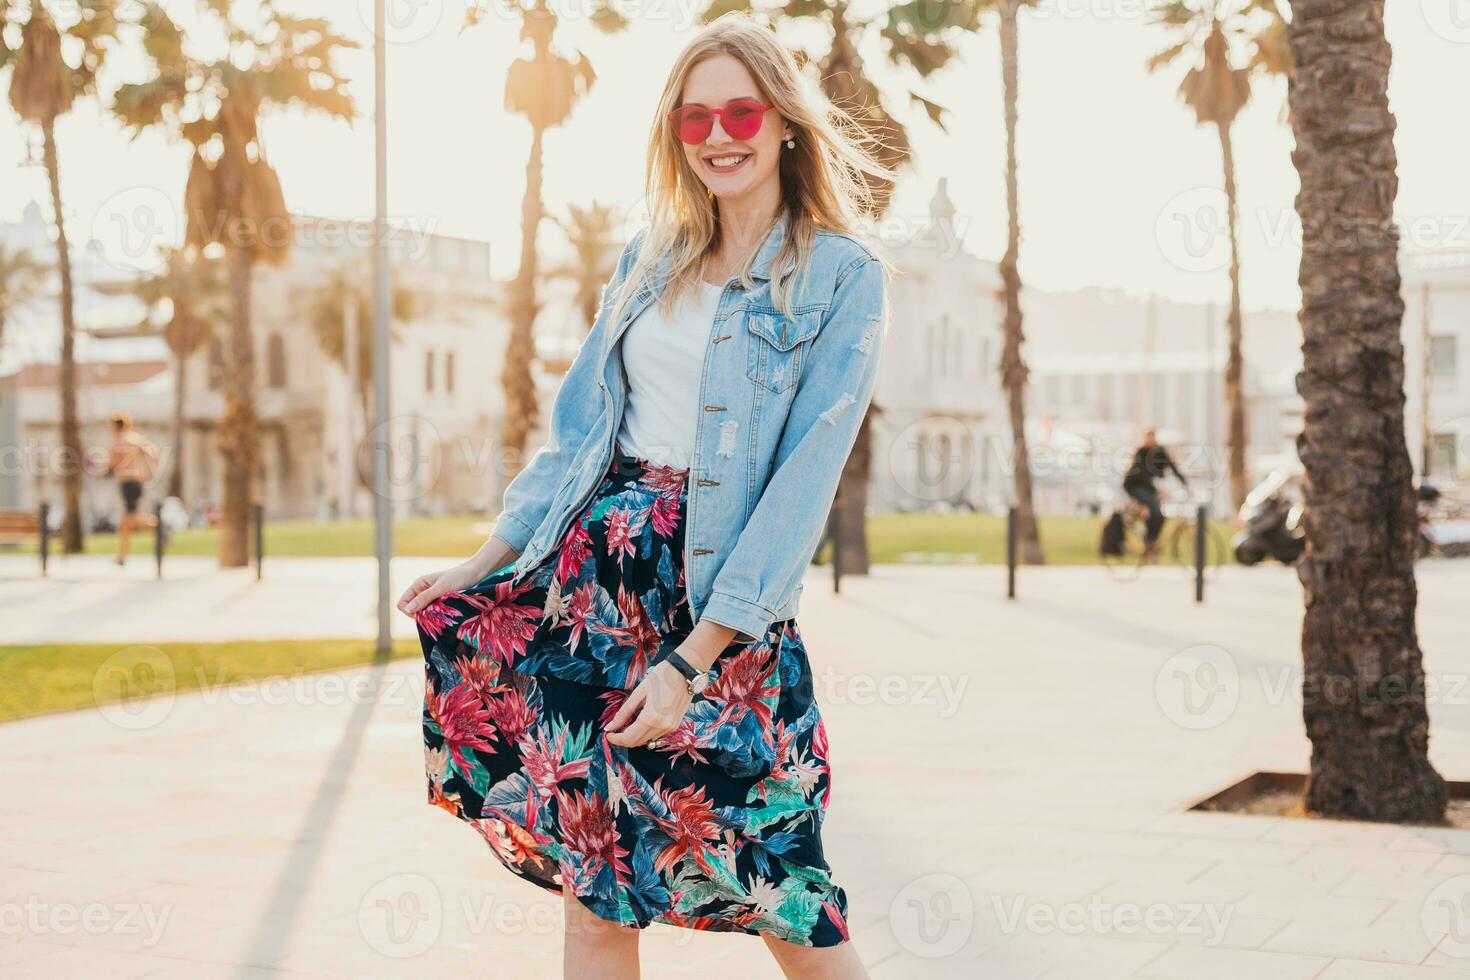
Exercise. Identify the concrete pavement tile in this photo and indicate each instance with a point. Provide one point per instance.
(1371, 859)
(1210, 825)
(1370, 970)
(1436, 840)
(1185, 962)
(1346, 833)
(1391, 940)
(1239, 853)
(171, 969)
(1450, 958)
(1064, 957)
(16, 948)
(1346, 913)
(84, 963)
(1401, 886)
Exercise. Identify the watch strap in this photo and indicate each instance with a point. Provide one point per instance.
(681, 665)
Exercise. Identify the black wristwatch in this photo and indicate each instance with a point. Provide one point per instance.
(697, 680)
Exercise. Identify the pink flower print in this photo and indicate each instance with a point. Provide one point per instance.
(437, 615)
(502, 624)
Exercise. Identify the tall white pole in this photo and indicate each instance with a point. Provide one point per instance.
(382, 510)
(347, 471)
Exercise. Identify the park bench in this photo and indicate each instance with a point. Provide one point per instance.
(20, 526)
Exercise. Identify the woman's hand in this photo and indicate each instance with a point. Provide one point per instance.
(493, 554)
(426, 588)
(654, 709)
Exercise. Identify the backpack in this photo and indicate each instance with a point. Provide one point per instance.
(1111, 543)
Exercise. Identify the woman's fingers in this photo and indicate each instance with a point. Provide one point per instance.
(628, 710)
(643, 729)
(414, 588)
(418, 594)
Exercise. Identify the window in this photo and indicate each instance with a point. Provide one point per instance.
(948, 344)
(216, 364)
(1442, 356)
(1443, 458)
(275, 361)
(1184, 389)
(429, 371)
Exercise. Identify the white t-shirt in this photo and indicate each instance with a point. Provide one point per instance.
(663, 358)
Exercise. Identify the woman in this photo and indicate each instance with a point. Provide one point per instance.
(617, 695)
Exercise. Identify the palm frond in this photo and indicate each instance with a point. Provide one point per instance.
(719, 8)
(1167, 56)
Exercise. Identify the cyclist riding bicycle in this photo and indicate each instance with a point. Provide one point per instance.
(1150, 463)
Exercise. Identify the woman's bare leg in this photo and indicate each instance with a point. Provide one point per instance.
(817, 962)
(594, 947)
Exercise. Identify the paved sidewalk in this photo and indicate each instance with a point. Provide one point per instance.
(1009, 800)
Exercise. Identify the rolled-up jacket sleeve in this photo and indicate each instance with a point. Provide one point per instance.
(574, 411)
(833, 393)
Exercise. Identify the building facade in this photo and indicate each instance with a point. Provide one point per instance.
(447, 349)
(1436, 295)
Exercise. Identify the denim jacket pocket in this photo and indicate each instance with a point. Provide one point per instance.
(778, 345)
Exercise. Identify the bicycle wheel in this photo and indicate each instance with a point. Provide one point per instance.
(1182, 538)
(1127, 566)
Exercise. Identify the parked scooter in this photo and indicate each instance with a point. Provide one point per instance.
(1273, 524)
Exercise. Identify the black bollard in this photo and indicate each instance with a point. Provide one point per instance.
(1200, 527)
(1013, 540)
(834, 530)
(45, 536)
(259, 539)
(158, 539)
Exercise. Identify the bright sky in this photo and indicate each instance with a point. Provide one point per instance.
(1119, 187)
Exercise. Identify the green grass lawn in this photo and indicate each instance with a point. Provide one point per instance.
(37, 680)
(979, 538)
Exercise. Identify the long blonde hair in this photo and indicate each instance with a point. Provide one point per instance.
(821, 186)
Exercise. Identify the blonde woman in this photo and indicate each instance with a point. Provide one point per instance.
(617, 696)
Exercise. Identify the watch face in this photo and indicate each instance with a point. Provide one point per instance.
(699, 683)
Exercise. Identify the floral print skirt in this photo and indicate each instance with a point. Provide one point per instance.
(720, 829)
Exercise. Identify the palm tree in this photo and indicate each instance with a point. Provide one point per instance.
(233, 196)
(590, 231)
(22, 279)
(342, 308)
(1013, 371)
(192, 293)
(912, 36)
(544, 87)
(1363, 670)
(1228, 43)
(53, 66)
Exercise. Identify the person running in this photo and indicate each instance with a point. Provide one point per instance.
(1150, 462)
(131, 459)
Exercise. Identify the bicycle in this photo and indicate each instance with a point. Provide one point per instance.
(1176, 543)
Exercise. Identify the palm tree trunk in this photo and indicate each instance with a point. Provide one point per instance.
(71, 434)
(1012, 364)
(1363, 681)
(176, 476)
(239, 429)
(520, 388)
(1234, 362)
(840, 81)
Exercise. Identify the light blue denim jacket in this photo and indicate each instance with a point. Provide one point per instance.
(781, 401)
